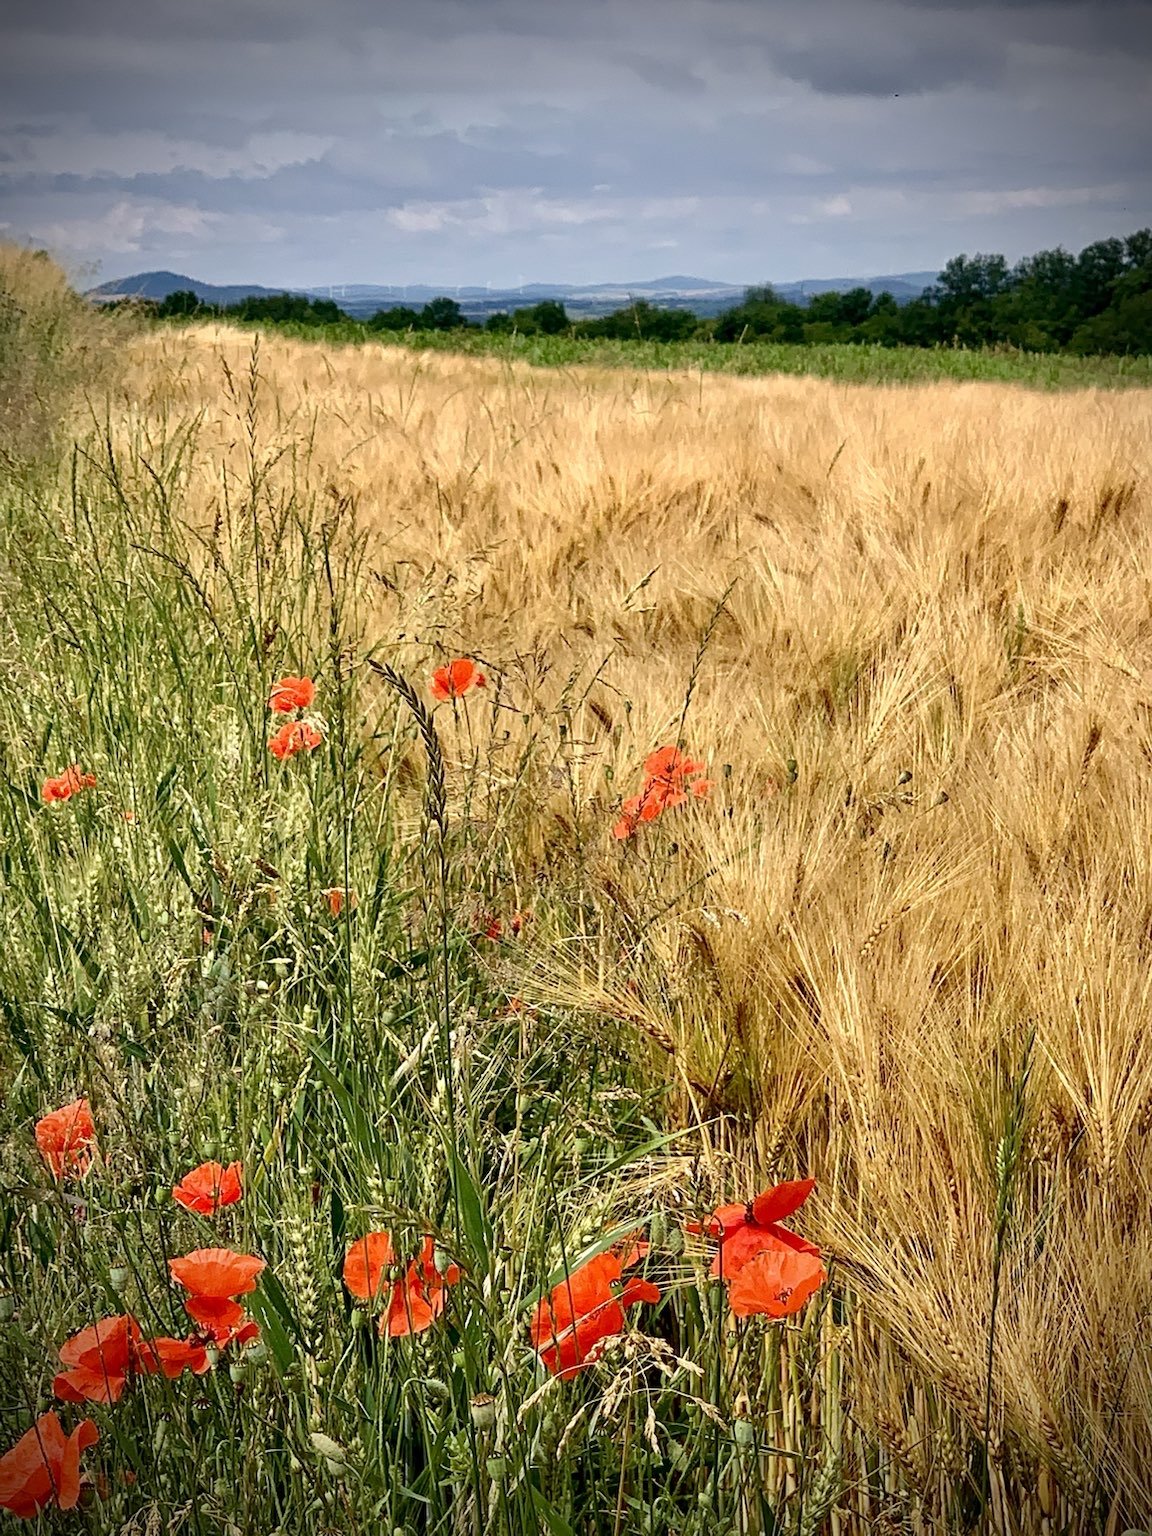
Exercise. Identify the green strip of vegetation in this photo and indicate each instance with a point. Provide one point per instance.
(849, 362)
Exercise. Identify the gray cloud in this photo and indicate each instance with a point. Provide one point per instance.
(460, 140)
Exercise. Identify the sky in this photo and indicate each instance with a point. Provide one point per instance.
(507, 141)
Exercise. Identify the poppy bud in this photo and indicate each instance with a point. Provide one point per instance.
(497, 1466)
(118, 1278)
(281, 966)
(483, 1410)
(7, 1308)
(658, 1229)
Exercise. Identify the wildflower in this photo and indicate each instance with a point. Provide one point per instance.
(65, 1139)
(456, 678)
(571, 1326)
(670, 777)
(337, 896)
(172, 1357)
(291, 693)
(294, 736)
(209, 1187)
(215, 1277)
(43, 1467)
(67, 784)
(766, 1267)
(100, 1360)
(415, 1295)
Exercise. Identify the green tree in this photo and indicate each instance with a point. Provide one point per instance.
(442, 314)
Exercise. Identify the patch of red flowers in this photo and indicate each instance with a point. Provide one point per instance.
(571, 1326)
(67, 784)
(65, 1139)
(767, 1268)
(454, 680)
(43, 1468)
(294, 736)
(101, 1360)
(670, 778)
(215, 1277)
(415, 1294)
(290, 694)
(209, 1187)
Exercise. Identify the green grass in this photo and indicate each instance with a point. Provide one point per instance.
(178, 964)
(850, 363)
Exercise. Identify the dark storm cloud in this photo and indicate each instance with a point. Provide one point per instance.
(464, 140)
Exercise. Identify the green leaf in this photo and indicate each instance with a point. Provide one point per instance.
(554, 1521)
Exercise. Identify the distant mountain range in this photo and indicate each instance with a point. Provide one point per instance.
(699, 294)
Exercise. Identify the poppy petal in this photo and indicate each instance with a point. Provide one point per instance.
(781, 1200)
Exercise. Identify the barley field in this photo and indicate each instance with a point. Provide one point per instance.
(428, 974)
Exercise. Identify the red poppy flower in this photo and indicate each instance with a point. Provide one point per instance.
(752, 1234)
(291, 693)
(571, 1326)
(101, 1360)
(671, 765)
(415, 1297)
(172, 1357)
(294, 736)
(65, 1139)
(43, 1467)
(669, 778)
(67, 784)
(215, 1276)
(456, 678)
(209, 1187)
(336, 896)
(777, 1281)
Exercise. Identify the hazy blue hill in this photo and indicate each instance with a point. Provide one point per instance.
(702, 295)
(158, 285)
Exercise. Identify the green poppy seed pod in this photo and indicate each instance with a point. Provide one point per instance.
(118, 1278)
(330, 1449)
(442, 1259)
(744, 1433)
(358, 1318)
(483, 1410)
(212, 1355)
(497, 1466)
(256, 1354)
(237, 1371)
(7, 1308)
(324, 1368)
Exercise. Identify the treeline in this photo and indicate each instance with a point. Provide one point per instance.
(1099, 301)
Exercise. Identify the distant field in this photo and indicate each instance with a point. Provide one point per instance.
(850, 363)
